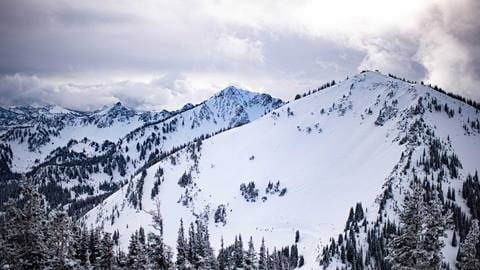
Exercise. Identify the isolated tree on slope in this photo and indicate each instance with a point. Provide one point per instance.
(404, 248)
(467, 254)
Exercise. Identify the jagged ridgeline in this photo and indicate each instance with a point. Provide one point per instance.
(80, 158)
(372, 172)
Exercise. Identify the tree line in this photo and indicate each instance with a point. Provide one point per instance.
(33, 237)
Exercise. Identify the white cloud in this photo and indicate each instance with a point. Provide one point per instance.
(162, 53)
(238, 49)
(163, 93)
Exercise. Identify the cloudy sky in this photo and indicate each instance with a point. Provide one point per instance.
(162, 54)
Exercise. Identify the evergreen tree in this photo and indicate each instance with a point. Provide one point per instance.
(94, 245)
(24, 230)
(60, 241)
(181, 262)
(404, 248)
(203, 257)
(251, 256)
(136, 258)
(454, 239)
(222, 257)
(238, 253)
(301, 261)
(141, 236)
(293, 261)
(159, 253)
(467, 259)
(430, 255)
(297, 236)
(82, 252)
(106, 258)
(262, 257)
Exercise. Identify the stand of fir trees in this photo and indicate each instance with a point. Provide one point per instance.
(34, 237)
(420, 241)
(467, 254)
(31, 238)
(416, 242)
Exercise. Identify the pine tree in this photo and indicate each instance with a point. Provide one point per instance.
(181, 262)
(222, 257)
(430, 255)
(301, 261)
(121, 259)
(454, 239)
(106, 258)
(94, 245)
(82, 252)
(238, 253)
(141, 236)
(192, 252)
(297, 236)
(293, 260)
(251, 256)
(262, 257)
(467, 259)
(60, 240)
(403, 249)
(24, 230)
(159, 253)
(136, 258)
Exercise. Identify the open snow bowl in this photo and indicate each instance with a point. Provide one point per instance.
(324, 148)
(329, 150)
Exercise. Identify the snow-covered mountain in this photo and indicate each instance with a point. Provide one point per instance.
(80, 157)
(33, 132)
(328, 170)
(302, 167)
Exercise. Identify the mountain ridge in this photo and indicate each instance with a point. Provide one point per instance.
(82, 154)
(388, 115)
(245, 162)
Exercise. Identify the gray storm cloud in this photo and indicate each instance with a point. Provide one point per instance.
(159, 54)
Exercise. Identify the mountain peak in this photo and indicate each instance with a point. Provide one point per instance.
(232, 90)
(119, 106)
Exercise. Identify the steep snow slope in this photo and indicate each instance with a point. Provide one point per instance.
(329, 150)
(79, 158)
(33, 133)
(229, 108)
